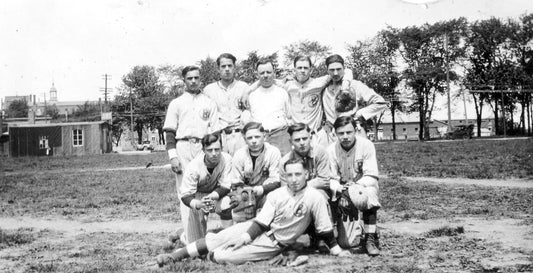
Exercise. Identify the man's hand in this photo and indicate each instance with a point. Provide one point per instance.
(238, 242)
(175, 165)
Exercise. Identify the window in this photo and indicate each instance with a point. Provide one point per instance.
(416, 129)
(43, 142)
(77, 137)
(404, 129)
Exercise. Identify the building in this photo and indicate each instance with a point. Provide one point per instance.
(60, 139)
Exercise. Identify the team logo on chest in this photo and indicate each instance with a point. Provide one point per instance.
(205, 113)
(313, 100)
(300, 210)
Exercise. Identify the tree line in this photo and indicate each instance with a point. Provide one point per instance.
(407, 66)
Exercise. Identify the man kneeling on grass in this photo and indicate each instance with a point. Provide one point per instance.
(285, 216)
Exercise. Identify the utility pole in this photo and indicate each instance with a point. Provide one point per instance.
(448, 82)
(464, 104)
(105, 90)
(503, 116)
(131, 118)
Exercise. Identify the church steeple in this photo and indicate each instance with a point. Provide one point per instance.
(53, 93)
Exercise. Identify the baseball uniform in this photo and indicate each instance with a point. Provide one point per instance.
(358, 165)
(228, 100)
(263, 172)
(286, 214)
(190, 117)
(198, 182)
(270, 107)
(317, 166)
(362, 94)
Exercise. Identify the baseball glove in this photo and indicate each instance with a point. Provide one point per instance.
(346, 208)
(358, 197)
(243, 203)
(344, 102)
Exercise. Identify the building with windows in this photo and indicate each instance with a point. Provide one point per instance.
(60, 139)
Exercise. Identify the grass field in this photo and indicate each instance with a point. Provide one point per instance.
(70, 215)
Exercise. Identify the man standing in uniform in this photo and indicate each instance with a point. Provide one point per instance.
(256, 165)
(357, 92)
(287, 213)
(205, 182)
(227, 94)
(354, 170)
(189, 117)
(269, 105)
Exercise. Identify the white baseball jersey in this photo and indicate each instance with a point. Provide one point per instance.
(288, 214)
(317, 164)
(265, 171)
(198, 182)
(227, 99)
(362, 94)
(344, 165)
(306, 102)
(270, 106)
(191, 115)
(198, 179)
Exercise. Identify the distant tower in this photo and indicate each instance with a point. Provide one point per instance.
(53, 93)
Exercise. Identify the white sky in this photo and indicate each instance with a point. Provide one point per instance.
(73, 43)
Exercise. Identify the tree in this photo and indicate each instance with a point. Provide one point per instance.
(52, 111)
(171, 80)
(208, 70)
(312, 49)
(246, 69)
(87, 112)
(489, 56)
(18, 109)
(423, 49)
(374, 62)
(142, 86)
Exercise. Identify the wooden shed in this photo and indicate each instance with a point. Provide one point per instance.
(58, 139)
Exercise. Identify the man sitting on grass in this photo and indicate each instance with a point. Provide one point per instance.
(287, 213)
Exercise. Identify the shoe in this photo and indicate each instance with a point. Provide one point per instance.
(371, 244)
(163, 259)
(175, 236)
(168, 246)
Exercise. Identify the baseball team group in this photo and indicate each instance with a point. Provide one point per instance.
(272, 161)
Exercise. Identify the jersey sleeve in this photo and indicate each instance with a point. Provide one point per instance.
(375, 103)
(191, 176)
(268, 212)
(236, 176)
(274, 157)
(172, 117)
(333, 164)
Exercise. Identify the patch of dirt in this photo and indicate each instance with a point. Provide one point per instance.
(513, 183)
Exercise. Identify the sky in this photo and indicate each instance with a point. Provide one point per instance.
(72, 44)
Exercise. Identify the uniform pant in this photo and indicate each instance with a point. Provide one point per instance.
(260, 249)
(280, 139)
(232, 142)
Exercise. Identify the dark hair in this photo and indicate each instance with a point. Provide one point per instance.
(302, 58)
(343, 121)
(187, 69)
(335, 58)
(253, 125)
(210, 139)
(298, 127)
(226, 56)
(264, 61)
(294, 161)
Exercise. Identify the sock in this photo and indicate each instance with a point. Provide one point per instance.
(192, 250)
(370, 219)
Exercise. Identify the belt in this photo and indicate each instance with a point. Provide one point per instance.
(190, 139)
(229, 131)
(270, 236)
(275, 130)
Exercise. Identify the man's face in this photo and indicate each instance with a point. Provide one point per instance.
(295, 176)
(266, 74)
(301, 141)
(346, 135)
(255, 140)
(302, 70)
(226, 69)
(192, 80)
(336, 71)
(213, 152)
